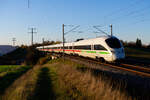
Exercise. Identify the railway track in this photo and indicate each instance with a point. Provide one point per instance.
(133, 69)
(138, 70)
(132, 61)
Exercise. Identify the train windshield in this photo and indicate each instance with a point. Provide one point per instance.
(113, 42)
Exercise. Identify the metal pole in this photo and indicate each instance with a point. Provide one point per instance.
(13, 43)
(43, 43)
(63, 38)
(32, 33)
(111, 30)
(14, 40)
(31, 36)
(28, 3)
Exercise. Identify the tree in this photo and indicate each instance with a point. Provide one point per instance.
(148, 46)
(32, 56)
(138, 43)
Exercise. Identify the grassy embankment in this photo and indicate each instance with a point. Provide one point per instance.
(59, 81)
(62, 81)
(77, 85)
(8, 74)
(11, 70)
(22, 88)
(15, 57)
(6, 68)
(139, 54)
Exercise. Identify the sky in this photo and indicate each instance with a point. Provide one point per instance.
(130, 19)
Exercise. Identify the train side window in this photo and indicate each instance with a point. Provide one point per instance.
(87, 47)
(65, 47)
(70, 47)
(84, 47)
(99, 47)
(75, 47)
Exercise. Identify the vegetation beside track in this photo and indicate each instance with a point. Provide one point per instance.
(137, 52)
(15, 57)
(56, 80)
(23, 87)
(69, 80)
(6, 68)
(71, 84)
(22, 55)
(8, 77)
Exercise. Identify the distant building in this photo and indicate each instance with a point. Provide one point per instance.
(4, 49)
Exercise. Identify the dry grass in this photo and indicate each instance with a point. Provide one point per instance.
(62, 82)
(23, 87)
(84, 86)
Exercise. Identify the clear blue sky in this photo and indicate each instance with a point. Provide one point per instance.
(130, 19)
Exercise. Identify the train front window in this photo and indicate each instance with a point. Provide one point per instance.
(113, 43)
(99, 47)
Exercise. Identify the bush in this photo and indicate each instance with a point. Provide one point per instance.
(138, 43)
(43, 60)
(32, 56)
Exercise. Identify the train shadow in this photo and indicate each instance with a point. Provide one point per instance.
(43, 89)
(134, 86)
(10, 77)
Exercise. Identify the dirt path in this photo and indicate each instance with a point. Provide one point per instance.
(43, 89)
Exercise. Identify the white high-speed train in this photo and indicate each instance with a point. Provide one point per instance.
(105, 48)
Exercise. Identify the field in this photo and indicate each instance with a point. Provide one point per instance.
(58, 80)
(14, 57)
(5, 68)
(69, 80)
(55, 80)
(138, 54)
(9, 73)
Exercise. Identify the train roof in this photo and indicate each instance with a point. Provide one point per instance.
(92, 41)
(84, 42)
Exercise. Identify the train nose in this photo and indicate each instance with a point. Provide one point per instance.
(114, 57)
(117, 57)
(118, 54)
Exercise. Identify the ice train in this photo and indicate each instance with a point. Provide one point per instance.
(104, 48)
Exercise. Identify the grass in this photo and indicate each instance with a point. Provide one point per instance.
(10, 76)
(36, 84)
(43, 88)
(15, 57)
(141, 55)
(23, 87)
(61, 81)
(5, 68)
(137, 52)
(16, 54)
(75, 85)
(58, 80)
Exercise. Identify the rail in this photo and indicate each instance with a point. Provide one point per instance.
(141, 71)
